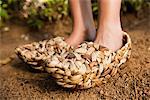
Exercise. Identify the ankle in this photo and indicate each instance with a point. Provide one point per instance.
(110, 37)
(89, 33)
(109, 29)
(79, 33)
(110, 25)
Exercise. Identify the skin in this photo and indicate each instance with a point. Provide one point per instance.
(83, 25)
(109, 33)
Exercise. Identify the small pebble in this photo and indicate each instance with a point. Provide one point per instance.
(6, 29)
(148, 48)
(26, 38)
(22, 36)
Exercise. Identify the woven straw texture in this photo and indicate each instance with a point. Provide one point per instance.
(84, 67)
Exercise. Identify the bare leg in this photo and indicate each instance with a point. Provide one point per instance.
(83, 25)
(109, 32)
(86, 8)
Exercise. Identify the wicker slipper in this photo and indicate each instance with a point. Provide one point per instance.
(35, 53)
(88, 65)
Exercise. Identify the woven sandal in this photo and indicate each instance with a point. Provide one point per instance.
(35, 53)
(87, 66)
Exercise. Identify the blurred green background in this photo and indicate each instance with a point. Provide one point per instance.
(36, 12)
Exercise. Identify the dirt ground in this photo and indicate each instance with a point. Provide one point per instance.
(19, 82)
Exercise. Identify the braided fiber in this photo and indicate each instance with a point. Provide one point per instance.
(83, 67)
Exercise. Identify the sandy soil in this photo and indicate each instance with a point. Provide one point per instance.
(19, 82)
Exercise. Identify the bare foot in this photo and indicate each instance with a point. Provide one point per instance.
(76, 38)
(80, 35)
(110, 38)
